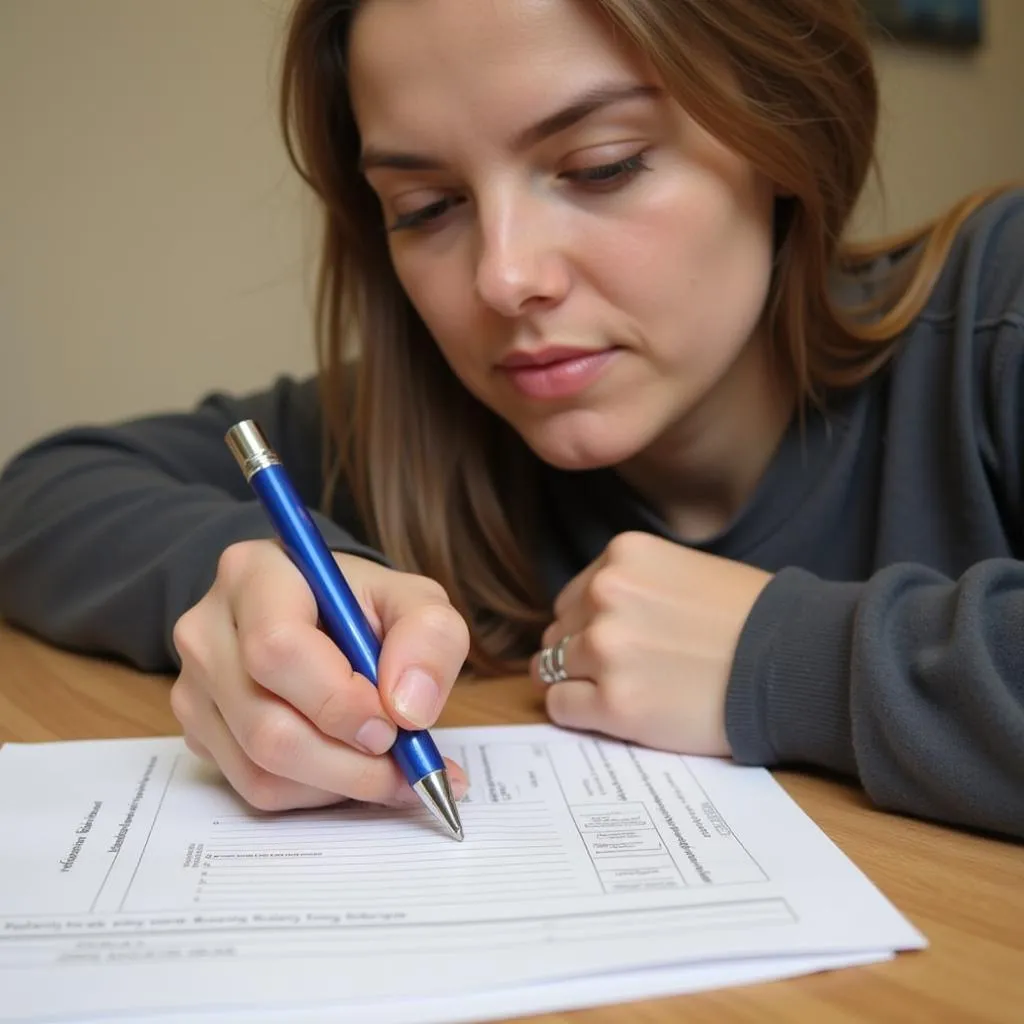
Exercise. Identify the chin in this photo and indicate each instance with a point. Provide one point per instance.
(581, 445)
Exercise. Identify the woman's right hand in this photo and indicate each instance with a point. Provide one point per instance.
(272, 701)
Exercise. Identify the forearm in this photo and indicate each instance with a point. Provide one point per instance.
(107, 535)
(911, 681)
(105, 558)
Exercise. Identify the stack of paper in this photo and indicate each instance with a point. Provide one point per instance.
(134, 882)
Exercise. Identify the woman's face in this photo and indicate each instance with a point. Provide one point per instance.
(589, 260)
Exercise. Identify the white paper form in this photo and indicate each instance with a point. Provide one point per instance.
(502, 1004)
(132, 880)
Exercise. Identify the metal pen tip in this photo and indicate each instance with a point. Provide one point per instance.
(436, 793)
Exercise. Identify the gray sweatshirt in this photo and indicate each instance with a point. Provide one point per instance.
(889, 645)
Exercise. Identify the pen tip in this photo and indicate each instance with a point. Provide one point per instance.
(435, 792)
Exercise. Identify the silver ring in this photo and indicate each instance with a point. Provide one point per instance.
(552, 662)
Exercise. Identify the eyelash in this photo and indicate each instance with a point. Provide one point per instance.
(602, 178)
(618, 173)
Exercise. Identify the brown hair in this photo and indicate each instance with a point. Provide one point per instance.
(443, 485)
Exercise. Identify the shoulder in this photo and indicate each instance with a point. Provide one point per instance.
(969, 333)
(982, 277)
(960, 365)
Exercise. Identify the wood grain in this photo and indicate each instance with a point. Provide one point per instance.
(965, 892)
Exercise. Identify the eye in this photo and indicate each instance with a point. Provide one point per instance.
(425, 215)
(605, 177)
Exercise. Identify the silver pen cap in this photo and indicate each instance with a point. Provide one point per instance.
(250, 448)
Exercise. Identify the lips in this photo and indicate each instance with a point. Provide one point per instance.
(544, 357)
(556, 371)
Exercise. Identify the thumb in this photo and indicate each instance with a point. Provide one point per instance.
(424, 647)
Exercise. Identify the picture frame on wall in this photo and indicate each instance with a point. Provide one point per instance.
(956, 23)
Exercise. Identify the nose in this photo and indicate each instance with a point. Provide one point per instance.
(520, 264)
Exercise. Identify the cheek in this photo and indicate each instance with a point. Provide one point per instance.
(694, 269)
(444, 299)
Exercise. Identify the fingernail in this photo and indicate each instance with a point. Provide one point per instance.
(416, 698)
(376, 735)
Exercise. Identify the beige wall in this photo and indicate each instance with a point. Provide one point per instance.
(152, 237)
(950, 123)
(150, 229)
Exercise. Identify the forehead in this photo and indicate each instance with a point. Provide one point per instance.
(486, 65)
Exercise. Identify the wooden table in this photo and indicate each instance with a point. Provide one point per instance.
(964, 892)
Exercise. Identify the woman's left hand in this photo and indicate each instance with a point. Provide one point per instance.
(648, 633)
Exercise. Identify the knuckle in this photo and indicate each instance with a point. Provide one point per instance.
(626, 546)
(273, 741)
(607, 587)
(602, 641)
(432, 590)
(234, 561)
(263, 790)
(189, 638)
(194, 745)
(268, 651)
(237, 562)
(443, 622)
(182, 704)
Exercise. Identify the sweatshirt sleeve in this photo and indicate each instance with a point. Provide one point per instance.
(109, 533)
(910, 681)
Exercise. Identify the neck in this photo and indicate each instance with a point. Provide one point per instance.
(701, 471)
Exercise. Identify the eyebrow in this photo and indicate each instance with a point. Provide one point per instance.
(582, 107)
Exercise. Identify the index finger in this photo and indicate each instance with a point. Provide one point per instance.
(284, 652)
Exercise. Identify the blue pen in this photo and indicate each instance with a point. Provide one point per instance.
(340, 614)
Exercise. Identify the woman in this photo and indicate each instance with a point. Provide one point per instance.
(622, 394)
